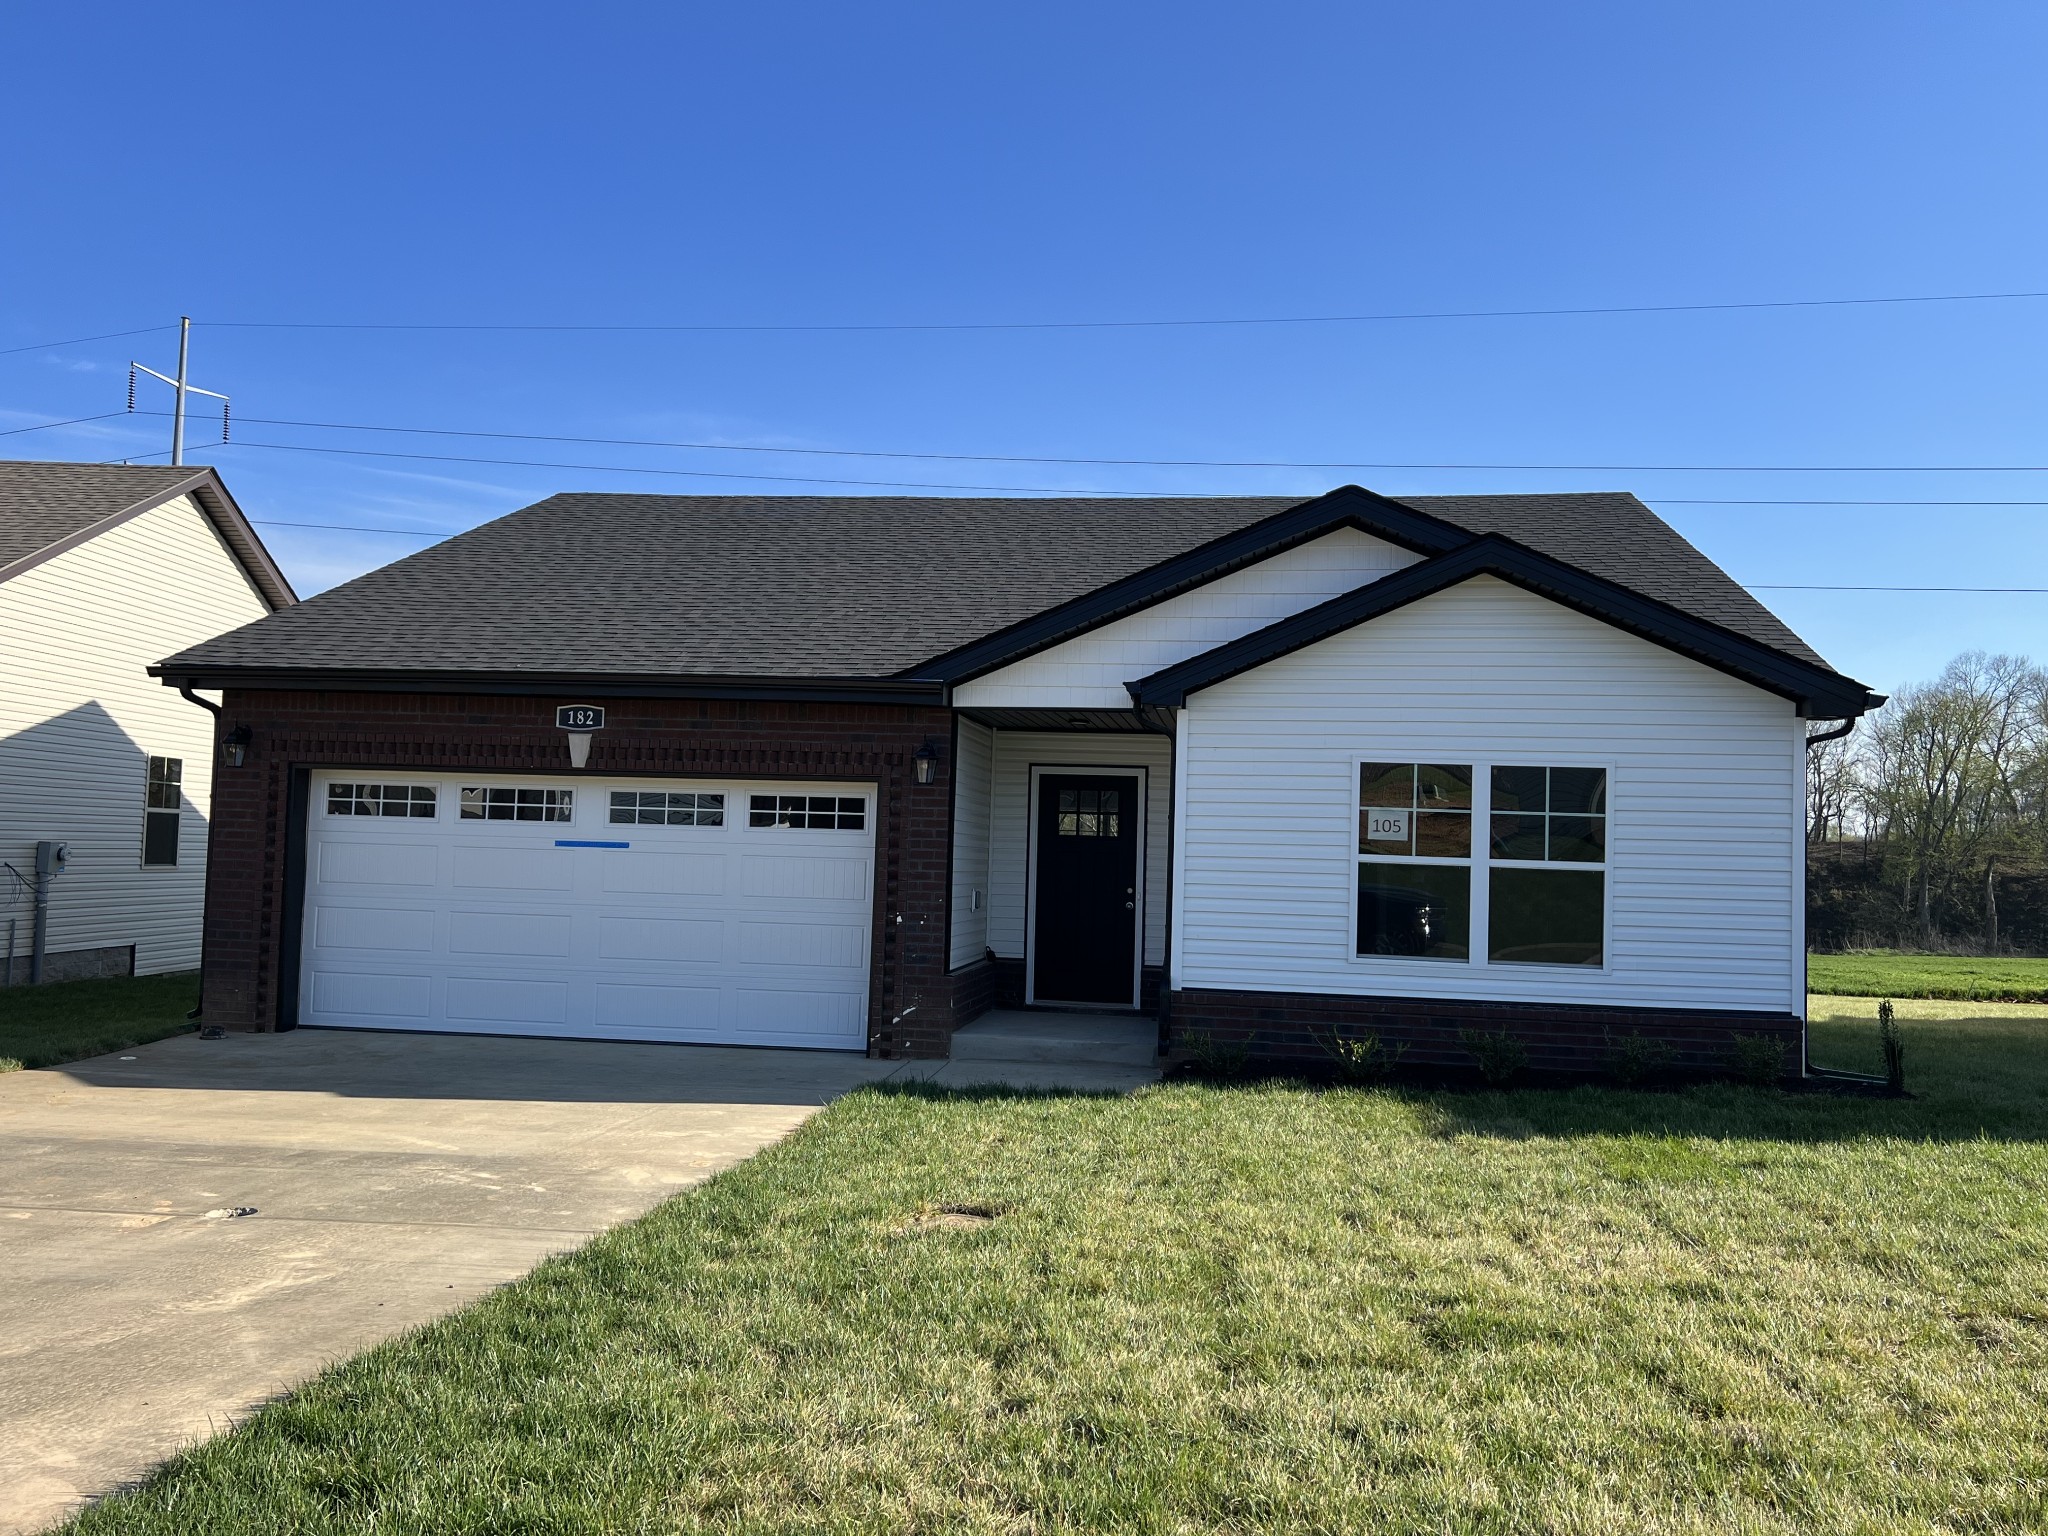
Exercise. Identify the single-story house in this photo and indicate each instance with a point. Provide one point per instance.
(845, 772)
(103, 567)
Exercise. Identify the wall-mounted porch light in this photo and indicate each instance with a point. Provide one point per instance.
(926, 763)
(234, 747)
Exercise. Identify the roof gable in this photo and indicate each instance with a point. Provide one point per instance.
(1817, 689)
(47, 508)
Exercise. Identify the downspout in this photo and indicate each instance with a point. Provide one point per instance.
(219, 717)
(1805, 967)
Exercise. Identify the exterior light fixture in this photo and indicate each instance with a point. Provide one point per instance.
(234, 747)
(926, 761)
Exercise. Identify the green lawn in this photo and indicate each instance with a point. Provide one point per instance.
(1890, 973)
(1264, 1308)
(69, 1020)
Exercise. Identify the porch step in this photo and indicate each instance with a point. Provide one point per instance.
(1097, 1039)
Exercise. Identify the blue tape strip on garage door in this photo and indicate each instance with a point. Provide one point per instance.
(570, 842)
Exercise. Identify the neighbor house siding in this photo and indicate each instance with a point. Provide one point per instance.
(1016, 753)
(1089, 672)
(1705, 800)
(79, 717)
(972, 782)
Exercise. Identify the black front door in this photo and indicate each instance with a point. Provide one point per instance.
(1085, 918)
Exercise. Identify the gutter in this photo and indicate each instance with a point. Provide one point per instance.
(822, 690)
(1806, 1066)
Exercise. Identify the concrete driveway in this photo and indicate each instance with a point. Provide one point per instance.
(389, 1179)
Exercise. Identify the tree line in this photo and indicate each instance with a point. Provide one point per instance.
(1927, 826)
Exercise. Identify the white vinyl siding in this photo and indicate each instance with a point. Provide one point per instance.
(973, 767)
(1089, 671)
(79, 719)
(1704, 804)
(1016, 753)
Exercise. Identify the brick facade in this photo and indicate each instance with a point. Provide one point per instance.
(1283, 1026)
(913, 1004)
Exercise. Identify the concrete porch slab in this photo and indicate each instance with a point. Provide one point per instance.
(1069, 1039)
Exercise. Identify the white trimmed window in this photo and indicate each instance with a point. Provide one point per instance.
(1415, 860)
(1546, 880)
(162, 813)
(1532, 891)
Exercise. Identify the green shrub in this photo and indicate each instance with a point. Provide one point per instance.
(1894, 1047)
(1500, 1055)
(1636, 1058)
(1758, 1060)
(1364, 1058)
(1217, 1058)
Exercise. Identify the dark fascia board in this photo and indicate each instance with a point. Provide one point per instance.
(215, 505)
(1349, 506)
(822, 690)
(242, 540)
(1819, 692)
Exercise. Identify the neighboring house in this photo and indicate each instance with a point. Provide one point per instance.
(869, 766)
(104, 567)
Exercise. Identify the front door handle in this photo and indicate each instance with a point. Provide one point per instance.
(1130, 906)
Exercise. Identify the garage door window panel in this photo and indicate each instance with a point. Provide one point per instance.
(665, 808)
(817, 813)
(501, 802)
(407, 800)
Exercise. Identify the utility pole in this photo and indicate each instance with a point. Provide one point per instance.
(178, 410)
(184, 386)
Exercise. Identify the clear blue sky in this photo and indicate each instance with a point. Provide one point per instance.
(828, 164)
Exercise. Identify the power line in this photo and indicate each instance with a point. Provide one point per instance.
(1766, 586)
(44, 426)
(702, 474)
(79, 341)
(1012, 458)
(1098, 325)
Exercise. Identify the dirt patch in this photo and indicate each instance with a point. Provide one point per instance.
(951, 1218)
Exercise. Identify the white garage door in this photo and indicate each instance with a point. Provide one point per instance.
(616, 909)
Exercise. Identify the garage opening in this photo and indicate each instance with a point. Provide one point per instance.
(714, 911)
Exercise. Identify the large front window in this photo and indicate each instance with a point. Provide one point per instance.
(1532, 892)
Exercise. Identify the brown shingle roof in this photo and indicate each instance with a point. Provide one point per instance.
(850, 587)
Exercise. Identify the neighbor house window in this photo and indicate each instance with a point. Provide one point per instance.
(1547, 880)
(505, 803)
(659, 808)
(161, 811)
(1415, 860)
(380, 800)
(845, 813)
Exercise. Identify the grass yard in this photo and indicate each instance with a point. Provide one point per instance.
(1891, 973)
(70, 1020)
(1264, 1308)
